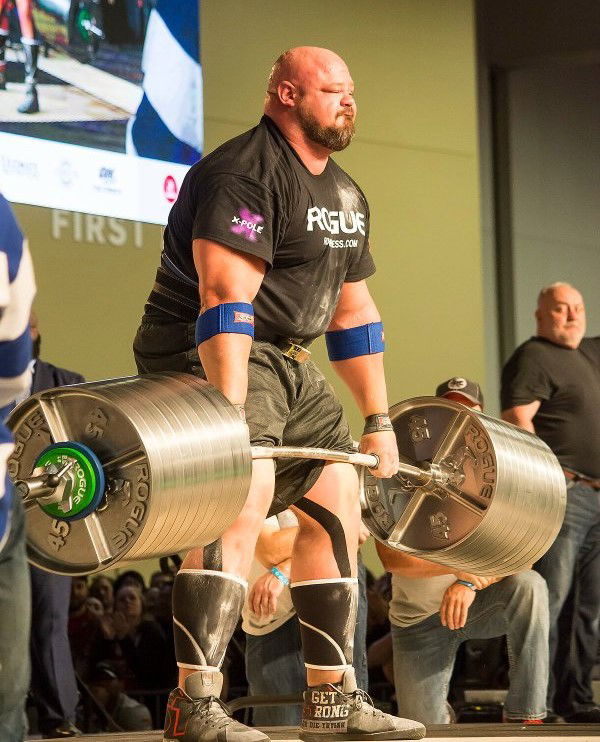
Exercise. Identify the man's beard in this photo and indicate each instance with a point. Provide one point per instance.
(330, 137)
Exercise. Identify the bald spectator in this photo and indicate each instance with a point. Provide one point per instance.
(551, 386)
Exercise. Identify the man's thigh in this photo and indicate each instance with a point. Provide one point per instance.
(316, 420)
(557, 566)
(589, 560)
(488, 615)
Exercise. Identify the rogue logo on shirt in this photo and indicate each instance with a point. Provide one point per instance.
(334, 222)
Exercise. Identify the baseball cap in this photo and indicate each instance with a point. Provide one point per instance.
(459, 385)
(104, 671)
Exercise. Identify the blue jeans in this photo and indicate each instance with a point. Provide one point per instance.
(424, 653)
(573, 560)
(274, 666)
(274, 663)
(15, 613)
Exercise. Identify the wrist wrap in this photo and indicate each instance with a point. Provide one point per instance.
(355, 341)
(376, 423)
(467, 584)
(237, 317)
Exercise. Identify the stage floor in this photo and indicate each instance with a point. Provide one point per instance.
(467, 732)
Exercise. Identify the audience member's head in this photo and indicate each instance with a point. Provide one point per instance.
(129, 602)
(105, 685)
(160, 578)
(131, 577)
(102, 588)
(79, 593)
(461, 390)
(560, 315)
(94, 606)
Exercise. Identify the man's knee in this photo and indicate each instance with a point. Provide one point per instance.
(529, 588)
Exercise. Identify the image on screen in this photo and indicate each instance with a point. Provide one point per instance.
(100, 104)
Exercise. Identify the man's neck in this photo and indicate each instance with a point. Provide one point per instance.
(554, 341)
(314, 156)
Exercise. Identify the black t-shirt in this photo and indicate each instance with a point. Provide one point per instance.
(254, 194)
(567, 383)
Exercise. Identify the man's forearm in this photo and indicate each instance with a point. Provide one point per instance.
(224, 358)
(365, 377)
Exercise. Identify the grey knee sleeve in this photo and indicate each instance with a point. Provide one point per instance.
(206, 608)
(327, 613)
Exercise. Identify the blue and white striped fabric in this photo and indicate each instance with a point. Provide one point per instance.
(168, 124)
(17, 289)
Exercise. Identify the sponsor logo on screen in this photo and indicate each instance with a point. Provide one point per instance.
(67, 173)
(107, 181)
(247, 224)
(15, 167)
(170, 189)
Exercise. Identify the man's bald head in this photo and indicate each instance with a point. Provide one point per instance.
(560, 314)
(302, 64)
(310, 91)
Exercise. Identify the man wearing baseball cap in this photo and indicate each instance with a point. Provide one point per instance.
(434, 609)
(462, 390)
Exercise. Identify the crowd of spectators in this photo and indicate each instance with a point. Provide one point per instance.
(122, 642)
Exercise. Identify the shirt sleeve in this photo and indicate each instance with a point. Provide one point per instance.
(362, 266)
(239, 213)
(524, 380)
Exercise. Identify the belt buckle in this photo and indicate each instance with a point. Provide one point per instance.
(296, 352)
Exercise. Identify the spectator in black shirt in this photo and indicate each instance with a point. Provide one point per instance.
(551, 386)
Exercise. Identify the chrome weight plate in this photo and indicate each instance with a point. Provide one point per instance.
(175, 457)
(495, 501)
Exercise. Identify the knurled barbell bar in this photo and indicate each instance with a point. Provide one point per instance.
(141, 467)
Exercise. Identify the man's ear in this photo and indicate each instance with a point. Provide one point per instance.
(287, 93)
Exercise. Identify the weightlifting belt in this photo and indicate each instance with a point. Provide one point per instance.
(173, 296)
(574, 476)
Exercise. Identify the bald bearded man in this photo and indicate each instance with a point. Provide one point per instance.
(266, 249)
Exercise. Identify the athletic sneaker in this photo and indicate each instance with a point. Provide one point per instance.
(199, 715)
(344, 712)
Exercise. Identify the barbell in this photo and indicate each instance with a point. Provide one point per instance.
(146, 466)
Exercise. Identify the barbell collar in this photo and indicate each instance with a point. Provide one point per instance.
(44, 485)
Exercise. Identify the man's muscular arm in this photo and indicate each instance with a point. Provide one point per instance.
(364, 375)
(407, 565)
(226, 275)
(522, 415)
